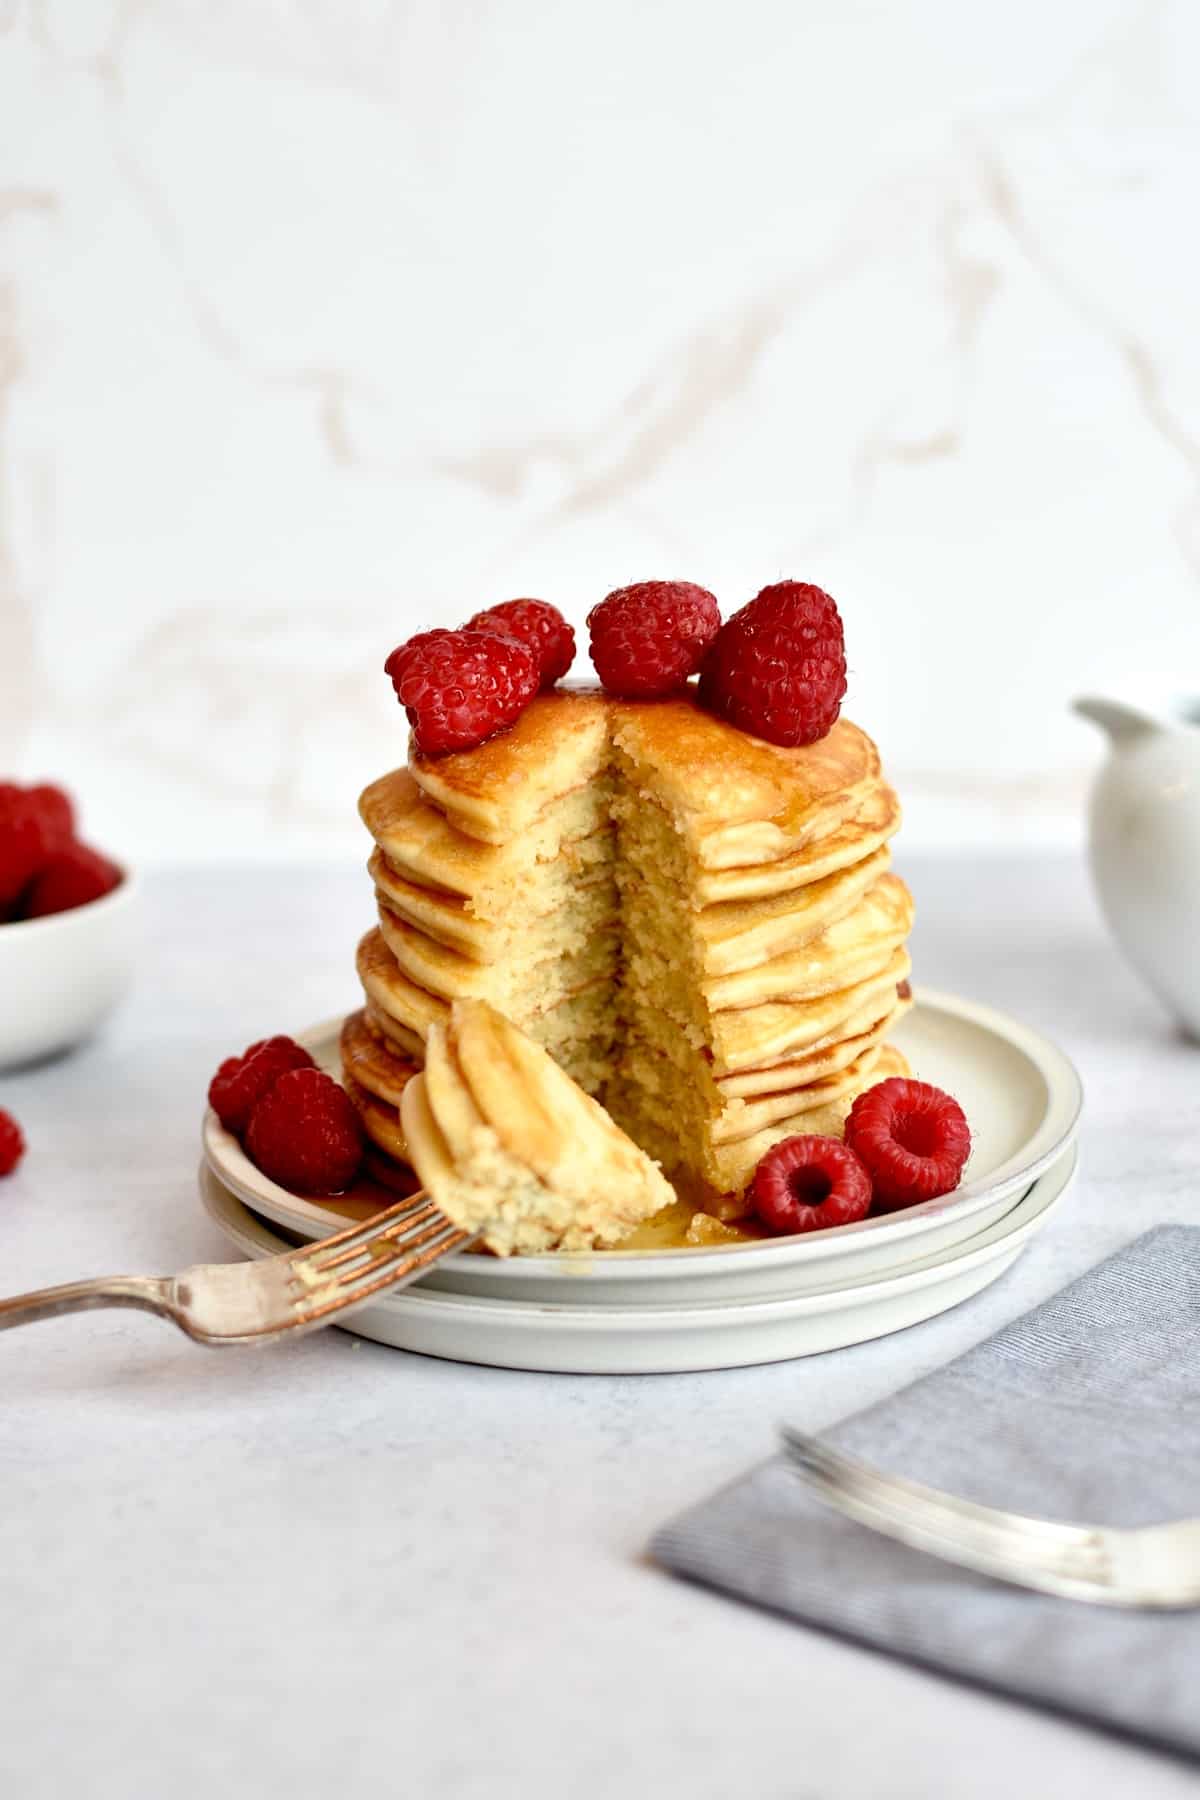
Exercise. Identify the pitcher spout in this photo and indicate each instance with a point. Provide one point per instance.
(1123, 724)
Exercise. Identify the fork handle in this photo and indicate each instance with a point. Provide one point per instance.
(148, 1293)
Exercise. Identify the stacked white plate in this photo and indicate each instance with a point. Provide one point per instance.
(627, 1312)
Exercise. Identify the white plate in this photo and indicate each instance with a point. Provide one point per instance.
(649, 1340)
(1021, 1095)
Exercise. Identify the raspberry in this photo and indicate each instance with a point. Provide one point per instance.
(461, 687)
(539, 626)
(69, 878)
(809, 1183)
(305, 1134)
(778, 667)
(913, 1139)
(12, 1143)
(23, 846)
(241, 1081)
(54, 812)
(647, 639)
(34, 823)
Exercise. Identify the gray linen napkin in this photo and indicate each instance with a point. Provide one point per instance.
(1087, 1408)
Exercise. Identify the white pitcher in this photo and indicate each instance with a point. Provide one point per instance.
(1144, 845)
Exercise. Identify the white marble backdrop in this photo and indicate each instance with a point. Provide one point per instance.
(323, 321)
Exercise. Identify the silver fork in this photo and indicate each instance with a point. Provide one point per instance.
(282, 1296)
(1147, 1566)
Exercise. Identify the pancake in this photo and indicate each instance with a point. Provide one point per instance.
(390, 991)
(521, 986)
(871, 1022)
(741, 934)
(736, 1162)
(689, 1125)
(734, 799)
(761, 1035)
(716, 1172)
(380, 1121)
(423, 846)
(704, 1103)
(430, 1151)
(372, 1063)
(743, 1118)
(850, 949)
(496, 791)
(407, 1042)
(869, 822)
(578, 1029)
(650, 1092)
(743, 1114)
(456, 921)
(508, 1145)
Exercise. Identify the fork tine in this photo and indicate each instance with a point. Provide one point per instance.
(363, 1229)
(337, 1298)
(430, 1249)
(384, 1254)
(365, 1239)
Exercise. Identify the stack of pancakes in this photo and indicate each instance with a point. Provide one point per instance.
(701, 928)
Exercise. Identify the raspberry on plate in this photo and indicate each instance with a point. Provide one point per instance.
(305, 1134)
(70, 877)
(646, 640)
(778, 667)
(242, 1081)
(912, 1138)
(539, 626)
(809, 1184)
(12, 1143)
(461, 687)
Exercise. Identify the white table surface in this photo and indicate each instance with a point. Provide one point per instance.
(340, 1569)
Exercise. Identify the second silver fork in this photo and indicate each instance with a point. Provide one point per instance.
(1154, 1566)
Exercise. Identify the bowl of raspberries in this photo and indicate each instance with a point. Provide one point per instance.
(66, 926)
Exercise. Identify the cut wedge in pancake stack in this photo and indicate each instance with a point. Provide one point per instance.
(701, 928)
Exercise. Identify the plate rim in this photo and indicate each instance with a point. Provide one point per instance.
(1038, 1205)
(1060, 1123)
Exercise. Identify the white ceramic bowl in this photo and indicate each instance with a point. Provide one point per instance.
(61, 976)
